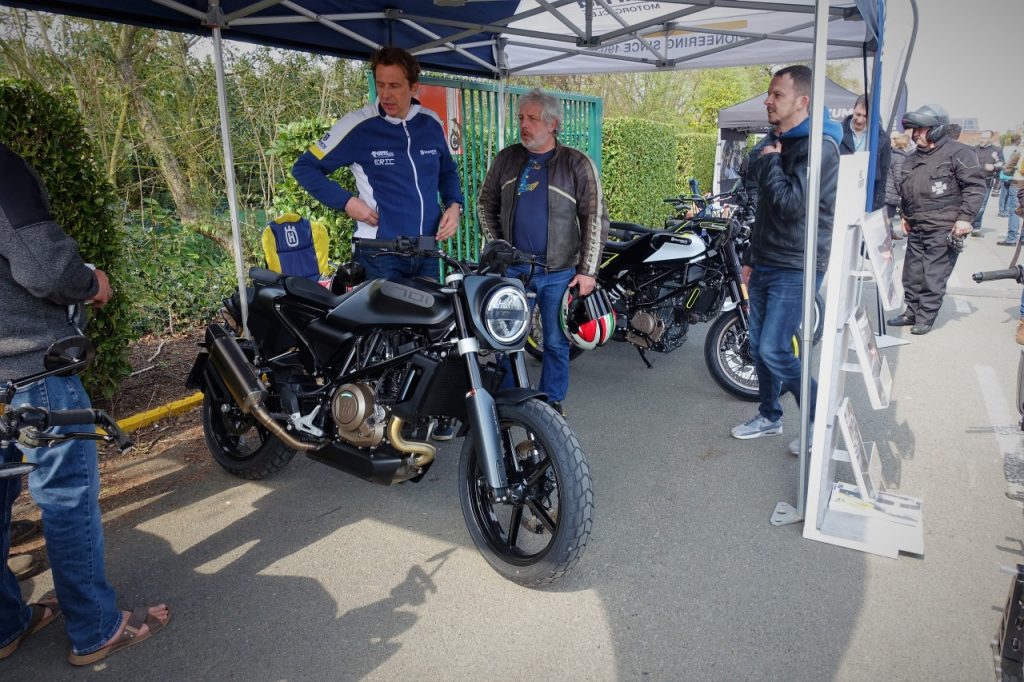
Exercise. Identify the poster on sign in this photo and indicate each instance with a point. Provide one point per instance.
(447, 104)
(883, 264)
(874, 367)
(851, 190)
(867, 467)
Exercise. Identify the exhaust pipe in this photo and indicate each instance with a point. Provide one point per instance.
(244, 385)
(422, 453)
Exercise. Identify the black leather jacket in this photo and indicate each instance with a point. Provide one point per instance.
(577, 214)
(942, 185)
(777, 239)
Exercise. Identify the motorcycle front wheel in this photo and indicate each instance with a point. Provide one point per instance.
(727, 355)
(535, 341)
(240, 445)
(539, 535)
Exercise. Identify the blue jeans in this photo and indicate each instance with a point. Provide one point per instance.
(776, 306)
(66, 487)
(1005, 189)
(1013, 221)
(388, 266)
(549, 287)
(976, 223)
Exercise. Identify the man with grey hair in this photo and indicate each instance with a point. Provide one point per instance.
(545, 199)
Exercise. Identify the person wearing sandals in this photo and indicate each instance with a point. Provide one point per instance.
(41, 274)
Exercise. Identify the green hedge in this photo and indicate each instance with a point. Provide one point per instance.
(639, 169)
(292, 140)
(47, 130)
(695, 159)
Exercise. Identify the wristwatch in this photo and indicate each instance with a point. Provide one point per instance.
(455, 203)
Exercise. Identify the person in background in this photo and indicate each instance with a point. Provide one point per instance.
(990, 156)
(41, 274)
(1005, 189)
(1020, 213)
(941, 189)
(855, 139)
(545, 199)
(1013, 169)
(900, 149)
(775, 267)
(954, 131)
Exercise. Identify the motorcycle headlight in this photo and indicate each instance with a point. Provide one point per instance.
(506, 315)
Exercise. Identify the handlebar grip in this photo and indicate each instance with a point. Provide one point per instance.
(375, 243)
(1010, 273)
(72, 417)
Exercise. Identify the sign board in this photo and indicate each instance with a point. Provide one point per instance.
(851, 190)
(447, 104)
(883, 263)
(867, 467)
(873, 366)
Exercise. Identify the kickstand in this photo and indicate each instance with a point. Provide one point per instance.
(643, 356)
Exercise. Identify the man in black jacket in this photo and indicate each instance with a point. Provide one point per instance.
(776, 254)
(855, 139)
(990, 156)
(941, 190)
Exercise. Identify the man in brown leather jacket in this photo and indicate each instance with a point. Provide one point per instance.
(545, 199)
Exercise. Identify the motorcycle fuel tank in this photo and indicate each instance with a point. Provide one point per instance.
(677, 246)
(384, 303)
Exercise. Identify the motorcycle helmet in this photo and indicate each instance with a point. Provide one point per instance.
(587, 321)
(930, 116)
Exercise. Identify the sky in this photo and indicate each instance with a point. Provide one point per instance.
(969, 57)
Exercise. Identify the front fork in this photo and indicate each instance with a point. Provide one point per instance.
(482, 411)
(737, 288)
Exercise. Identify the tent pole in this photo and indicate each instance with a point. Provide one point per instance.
(229, 174)
(502, 93)
(817, 111)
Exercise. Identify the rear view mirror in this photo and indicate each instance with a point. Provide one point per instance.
(69, 355)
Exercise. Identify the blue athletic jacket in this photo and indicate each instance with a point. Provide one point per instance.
(400, 166)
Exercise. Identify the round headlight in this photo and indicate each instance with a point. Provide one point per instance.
(506, 315)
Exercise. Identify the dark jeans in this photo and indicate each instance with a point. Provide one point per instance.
(926, 268)
(388, 266)
(776, 307)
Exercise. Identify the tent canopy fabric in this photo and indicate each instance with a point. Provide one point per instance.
(751, 116)
(493, 38)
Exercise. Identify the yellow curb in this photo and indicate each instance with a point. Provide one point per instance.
(137, 421)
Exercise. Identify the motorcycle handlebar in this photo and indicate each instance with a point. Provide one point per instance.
(13, 422)
(1016, 273)
(72, 417)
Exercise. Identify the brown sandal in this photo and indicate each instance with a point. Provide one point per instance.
(39, 621)
(129, 635)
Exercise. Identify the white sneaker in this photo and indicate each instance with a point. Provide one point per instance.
(757, 427)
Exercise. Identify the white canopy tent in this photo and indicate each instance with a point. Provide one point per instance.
(499, 38)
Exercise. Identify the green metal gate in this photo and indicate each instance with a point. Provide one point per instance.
(478, 138)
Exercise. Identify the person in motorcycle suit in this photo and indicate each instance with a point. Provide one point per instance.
(774, 262)
(545, 199)
(41, 274)
(398, 153)
(941, 191)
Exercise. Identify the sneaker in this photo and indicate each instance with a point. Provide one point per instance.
(557, 405)
(1020, 332)
(1006, 242)
(975, 233)
(24, 566)
(757, 427)
(443, 431)
(794, 445)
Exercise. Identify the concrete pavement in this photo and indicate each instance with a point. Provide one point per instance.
(315, 575)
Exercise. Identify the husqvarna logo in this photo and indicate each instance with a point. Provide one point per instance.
(383, 157)
(291, 236)
(428, 152)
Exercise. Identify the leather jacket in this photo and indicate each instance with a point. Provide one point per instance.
(577, 213)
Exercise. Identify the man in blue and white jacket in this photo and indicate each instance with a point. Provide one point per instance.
(398, 153)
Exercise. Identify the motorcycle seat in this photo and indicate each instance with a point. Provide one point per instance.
(264, 276)
(619, 247)
(311, 292)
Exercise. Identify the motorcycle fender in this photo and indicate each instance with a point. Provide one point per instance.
(197, 376)
(203, 377)
(517, 396)
(729, 305)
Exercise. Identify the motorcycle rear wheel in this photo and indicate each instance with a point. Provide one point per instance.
(240, 445)
(538, 539)
(535, 340)
(727, 355)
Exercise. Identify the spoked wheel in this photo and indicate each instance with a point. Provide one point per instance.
(536, 537)
(240, 445)
(727, 355)
(535, 341)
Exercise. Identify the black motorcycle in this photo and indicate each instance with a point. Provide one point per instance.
(661, 281)
(355, 380)
(30, 426)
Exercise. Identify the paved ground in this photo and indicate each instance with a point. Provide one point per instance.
(316, 575)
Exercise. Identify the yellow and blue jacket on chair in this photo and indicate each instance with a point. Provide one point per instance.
(295, 246)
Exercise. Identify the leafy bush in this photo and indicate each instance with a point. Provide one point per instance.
(639, 169)
(695, 159)
(47, 130)
(292, 140)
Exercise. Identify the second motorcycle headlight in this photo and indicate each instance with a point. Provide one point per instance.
(506, 315)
